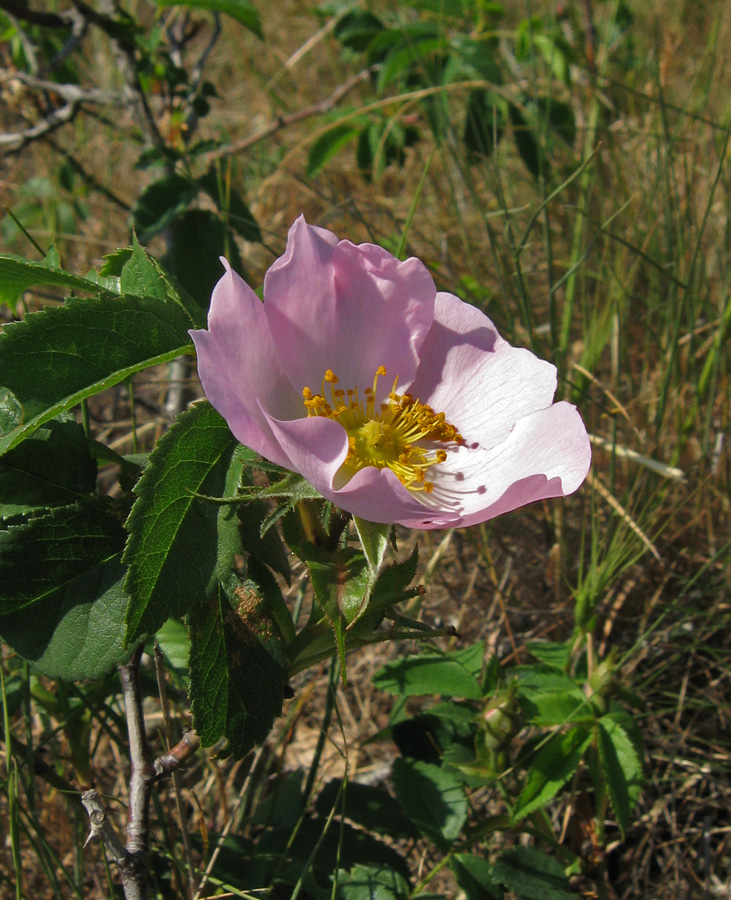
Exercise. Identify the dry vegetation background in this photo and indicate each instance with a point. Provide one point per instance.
(649, 218)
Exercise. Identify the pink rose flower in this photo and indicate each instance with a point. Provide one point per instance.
(397, 403)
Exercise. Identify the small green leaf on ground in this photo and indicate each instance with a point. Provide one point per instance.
(550, 769)
(453, 674)
(531, 874)
(432, 798)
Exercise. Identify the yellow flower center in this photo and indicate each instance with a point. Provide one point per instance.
(401, 434)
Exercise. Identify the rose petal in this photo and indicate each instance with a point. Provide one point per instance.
(238, 366)
(335, 305)
(547, 454)
(481, 382)
(318, 446)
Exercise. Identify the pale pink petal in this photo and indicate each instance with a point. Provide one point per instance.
(238, 367)
(335, 305)
(318, 446)
(482, 383)
(547, 454)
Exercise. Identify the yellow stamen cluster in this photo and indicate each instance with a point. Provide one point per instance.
(399, 434)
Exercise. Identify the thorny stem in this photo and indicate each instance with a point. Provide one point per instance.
(142, 775)
(132, 859)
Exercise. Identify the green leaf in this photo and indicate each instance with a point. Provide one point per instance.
(237, 677)
(47, 554)
(621, 767)
(371, 882)
(18, 274)
(557, 656)
(453, 674)
(471, 59)
(173, 548)
(432, 797)
(475, 876)
(141, 274)
(550, 769)
(11, 412)
(327, 145)
(52, 468)
(159, 203)
(532, 874)
(392, 585)
(374, 541)
(198, 239)
(243, 11)
(556, 708)
(75, 631)
(417, 49)
(62, 355)
(357, 29)
(236, 213)
(373, 808)
(175, 643)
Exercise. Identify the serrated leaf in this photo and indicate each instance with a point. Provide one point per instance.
(432, 798)
(18, 274)
(52, 468)
(173, 547)
(159, 203)
(243, 11)
(550, 769)
(77, 630)
(453, 674)
(140, 276)
(237, 677)
(475, 876)
(621, 767)
(327, 146)
(62, 355)
(373, 538)
(532, 874)
(48, 553)
(392, 585)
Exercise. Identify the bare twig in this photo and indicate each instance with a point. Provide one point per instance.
(15, 142)
(71, 93)
(74, 95)
(35, 17)
(102, 828)
(317, 109)
(134, 872)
